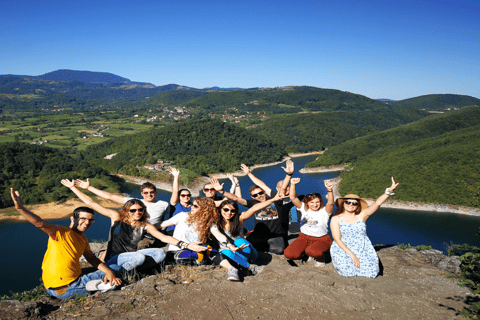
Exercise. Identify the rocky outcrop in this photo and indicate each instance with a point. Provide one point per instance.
(412, 285)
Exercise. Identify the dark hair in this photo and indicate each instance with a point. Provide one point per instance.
(309, 197)
(148, 185)
(235, 224)
(77, 211)
(341, 208)
(253, 188)
(124, 212)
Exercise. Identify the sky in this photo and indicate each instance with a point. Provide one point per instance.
(380, 49)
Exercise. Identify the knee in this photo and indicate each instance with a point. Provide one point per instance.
(159, 255)
(291, 254)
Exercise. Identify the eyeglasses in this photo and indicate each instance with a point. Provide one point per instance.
(211, 189)
(135, 210)
(149, 192)
(196, 205)
(313, 195)
(185, 195)
(261, 193)
(86, 219)
(352, 203)
(228, 210)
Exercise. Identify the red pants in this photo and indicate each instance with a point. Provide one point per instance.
(312, 246)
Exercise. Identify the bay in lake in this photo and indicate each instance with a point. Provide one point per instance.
(22, 246)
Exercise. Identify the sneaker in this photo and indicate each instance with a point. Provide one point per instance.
(310, 259)
(233, 274)
(254, 269)
(320, 262)
(98, 285)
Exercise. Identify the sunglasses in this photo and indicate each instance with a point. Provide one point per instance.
(196, 205)
(135, 210)
(148, 192)
(313, 195)
(228, 210)
(185, 195)
(86, 219)
(211, 189)
(261, 193)
(352, 203)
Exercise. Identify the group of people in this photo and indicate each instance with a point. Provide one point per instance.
(206, 229)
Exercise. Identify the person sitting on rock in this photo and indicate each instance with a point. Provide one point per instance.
(271, 223)
(128, 227)
(229, 232)
(62, 275)
(353, 255)
(314, 240)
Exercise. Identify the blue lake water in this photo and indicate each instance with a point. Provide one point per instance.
(22, 246)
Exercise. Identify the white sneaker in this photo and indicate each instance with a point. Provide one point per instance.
(320, 262)
(233, 274)
(98, 285)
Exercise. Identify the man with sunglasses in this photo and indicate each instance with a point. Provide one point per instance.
(155, 209)
(62, 275)
(271, 223)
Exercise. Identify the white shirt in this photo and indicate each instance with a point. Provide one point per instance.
(314, 223)
(155, 210)
(183, 231)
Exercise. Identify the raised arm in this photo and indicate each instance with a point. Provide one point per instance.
(235, 185)
(38, 222)
(293, 193)
(112, 214)
(337, 237)
(289, 168)
(330, 199)
(374, 207)
(102, 194)
(255, 180)
(174, 197)
(219, 188)
(259, 206)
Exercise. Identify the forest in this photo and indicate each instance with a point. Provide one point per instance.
(437, 160)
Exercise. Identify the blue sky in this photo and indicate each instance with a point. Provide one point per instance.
(380, 49)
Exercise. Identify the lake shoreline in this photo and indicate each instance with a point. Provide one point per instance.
(61, 210)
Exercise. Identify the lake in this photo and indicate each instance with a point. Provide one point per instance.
(22, 246)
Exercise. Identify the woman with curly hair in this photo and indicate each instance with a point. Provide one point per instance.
(193, 226)
(129, 226)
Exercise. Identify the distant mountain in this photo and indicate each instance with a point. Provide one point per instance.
(437, 102)
(83, 76)
(230, 89)
(385, 100)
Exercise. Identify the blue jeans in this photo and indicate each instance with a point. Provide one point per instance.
(244, 256)
(77, 287)
(131, 260)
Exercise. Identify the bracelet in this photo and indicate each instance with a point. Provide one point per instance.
(329, 190)
(290, 174)
(388, 193)
(223, 191)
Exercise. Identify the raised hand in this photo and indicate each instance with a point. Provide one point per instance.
(289, 167)
(82, 184)
(295, 180)
(328, 184)
(17, 200)
(279, 196)
(67, 183)
(232, 178)
(393, 186)
(214, 182)
(245, 168)
(174, 171)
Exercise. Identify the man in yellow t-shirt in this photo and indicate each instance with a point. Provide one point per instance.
(62, 275)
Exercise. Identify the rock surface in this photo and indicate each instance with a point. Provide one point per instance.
(413, 286)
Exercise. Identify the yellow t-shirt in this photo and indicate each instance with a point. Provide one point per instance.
(61, 264)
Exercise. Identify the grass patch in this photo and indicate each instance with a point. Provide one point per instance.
(403, 246)
(33, 294)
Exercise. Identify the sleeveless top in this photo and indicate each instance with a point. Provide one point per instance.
(123, 238)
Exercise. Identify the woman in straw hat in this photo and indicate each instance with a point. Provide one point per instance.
(352, 252)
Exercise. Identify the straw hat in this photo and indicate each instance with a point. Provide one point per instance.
(363, 203)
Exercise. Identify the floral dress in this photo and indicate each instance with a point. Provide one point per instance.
(355, 238)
